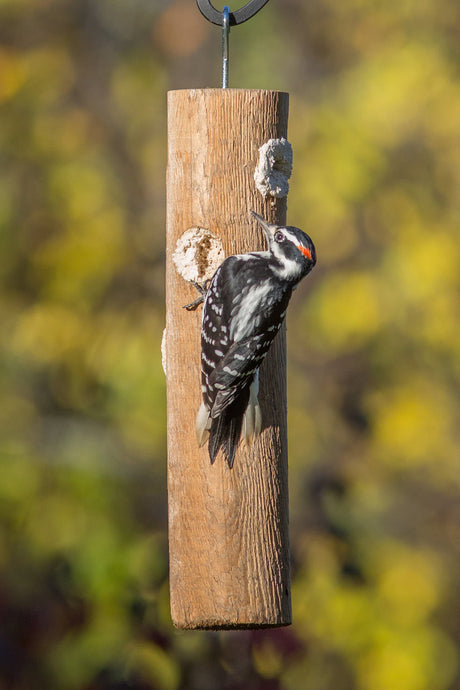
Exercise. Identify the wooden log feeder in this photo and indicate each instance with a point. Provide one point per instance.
(228, 528)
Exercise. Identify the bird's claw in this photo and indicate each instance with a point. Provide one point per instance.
(202, 289)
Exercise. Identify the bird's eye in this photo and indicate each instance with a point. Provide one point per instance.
(279, 237)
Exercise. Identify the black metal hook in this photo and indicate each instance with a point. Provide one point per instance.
(237, 17)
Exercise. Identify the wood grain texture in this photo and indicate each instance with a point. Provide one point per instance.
(228, 529)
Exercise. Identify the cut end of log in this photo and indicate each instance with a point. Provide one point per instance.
(209, 625)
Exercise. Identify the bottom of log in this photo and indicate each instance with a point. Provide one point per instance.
(221, 625)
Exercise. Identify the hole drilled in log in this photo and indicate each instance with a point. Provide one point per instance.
(198, 255)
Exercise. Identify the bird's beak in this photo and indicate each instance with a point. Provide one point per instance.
(268, 228)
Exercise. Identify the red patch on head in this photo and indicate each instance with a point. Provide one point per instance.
(305, 251)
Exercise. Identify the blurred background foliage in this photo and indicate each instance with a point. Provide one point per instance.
(373, 340)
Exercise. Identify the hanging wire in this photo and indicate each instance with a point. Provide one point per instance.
(225, 35)
(226, 19)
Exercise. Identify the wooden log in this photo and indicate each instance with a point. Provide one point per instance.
(228, 528)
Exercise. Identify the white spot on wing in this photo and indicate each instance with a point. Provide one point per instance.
(232, 372)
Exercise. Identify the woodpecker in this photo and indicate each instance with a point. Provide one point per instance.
(244, 307)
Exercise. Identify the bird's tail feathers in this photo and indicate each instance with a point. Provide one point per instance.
(241, 418)
(225, 433)
(252, 420)
(203, 424)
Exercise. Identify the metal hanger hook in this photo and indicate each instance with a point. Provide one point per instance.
(237, 17)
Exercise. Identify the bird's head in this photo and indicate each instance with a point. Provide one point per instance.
(292, 248)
